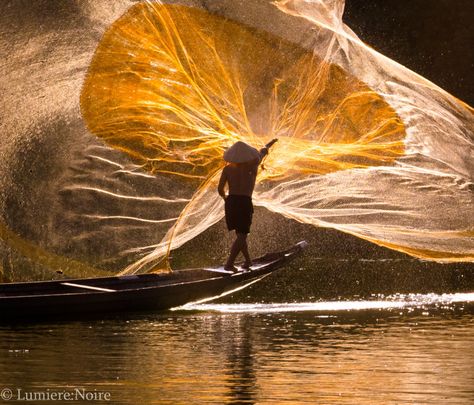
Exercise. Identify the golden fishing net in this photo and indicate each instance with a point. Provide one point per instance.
(365, 145)
(173, 86)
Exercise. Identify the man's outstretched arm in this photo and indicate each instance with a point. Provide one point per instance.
(265, 149)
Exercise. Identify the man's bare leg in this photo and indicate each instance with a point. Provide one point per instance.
(239, 245)
(245, 252)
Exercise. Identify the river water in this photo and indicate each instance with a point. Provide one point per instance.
(401, 349)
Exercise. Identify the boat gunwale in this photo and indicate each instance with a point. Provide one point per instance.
(281, 258)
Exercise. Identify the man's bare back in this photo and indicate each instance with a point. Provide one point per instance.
(240, 178)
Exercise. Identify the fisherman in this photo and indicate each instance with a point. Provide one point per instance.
(240, 174)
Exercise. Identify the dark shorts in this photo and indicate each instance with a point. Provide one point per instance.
(238, 213)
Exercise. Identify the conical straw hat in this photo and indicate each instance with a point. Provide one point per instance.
(240, 152)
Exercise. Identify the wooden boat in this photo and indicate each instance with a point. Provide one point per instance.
(77, 297)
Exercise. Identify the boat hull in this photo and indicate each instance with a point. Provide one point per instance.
(147, 292)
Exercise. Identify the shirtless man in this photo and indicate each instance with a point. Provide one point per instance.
(240, 175)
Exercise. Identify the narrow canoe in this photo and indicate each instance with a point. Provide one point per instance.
(73, 297)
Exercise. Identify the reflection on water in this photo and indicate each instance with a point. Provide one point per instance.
(406, 349)
(410, 301)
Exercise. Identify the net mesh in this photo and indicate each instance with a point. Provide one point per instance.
(366, 146)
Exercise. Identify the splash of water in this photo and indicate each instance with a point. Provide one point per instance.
(366, 146)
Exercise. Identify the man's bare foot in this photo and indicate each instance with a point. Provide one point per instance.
(246, 265)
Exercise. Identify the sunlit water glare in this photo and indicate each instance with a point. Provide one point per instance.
(401, 301)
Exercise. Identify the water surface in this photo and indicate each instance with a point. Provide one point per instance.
(390, 350)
